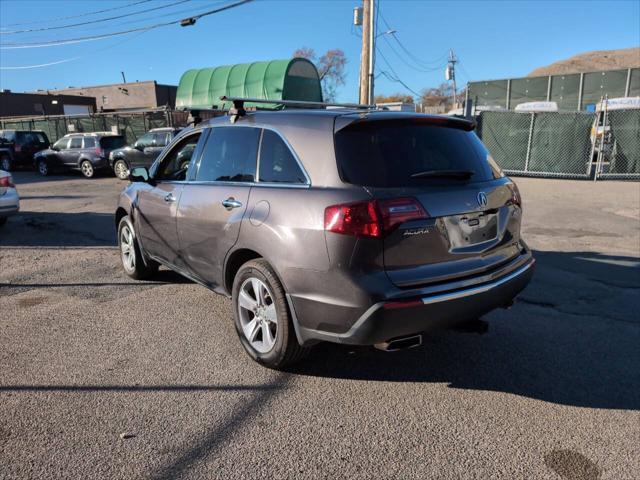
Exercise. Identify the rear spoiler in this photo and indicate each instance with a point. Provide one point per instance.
(390, 118)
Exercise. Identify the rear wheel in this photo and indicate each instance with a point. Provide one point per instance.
(3, 220)
(262, 317)
(87, 169)
(5, 163)
(130, 253)
(43, 167)
(121, 169)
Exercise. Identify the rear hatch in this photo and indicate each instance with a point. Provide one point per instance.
(110, 143)
(447, 210)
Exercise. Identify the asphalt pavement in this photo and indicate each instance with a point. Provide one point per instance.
(102, 376)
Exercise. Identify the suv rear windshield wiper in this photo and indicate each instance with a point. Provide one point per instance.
(460, 174)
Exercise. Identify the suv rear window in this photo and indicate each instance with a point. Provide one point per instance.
(387, 153)
(112, 142)
(31, 138)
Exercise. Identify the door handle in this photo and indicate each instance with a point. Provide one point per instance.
(169, 198)
(230, 203)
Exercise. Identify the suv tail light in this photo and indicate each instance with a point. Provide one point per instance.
(372, 218)
(7, 182)
(99, 151)
(17, 148)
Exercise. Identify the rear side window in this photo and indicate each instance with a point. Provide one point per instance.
(229, 155)
(277, 163)
(89, 142)
(111, 142)
(393, 154)
(76, 142)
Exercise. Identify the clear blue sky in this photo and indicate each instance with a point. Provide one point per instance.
(495, 39)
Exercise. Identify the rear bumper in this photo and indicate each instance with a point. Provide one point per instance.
(404, 316)
(9, 203)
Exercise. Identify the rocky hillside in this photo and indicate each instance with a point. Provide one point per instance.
(592, 61)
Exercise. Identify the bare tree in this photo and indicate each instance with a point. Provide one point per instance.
(394, 97)
(330, 68)
(441, 95)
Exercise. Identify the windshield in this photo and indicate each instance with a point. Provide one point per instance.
(112, 142)
(400, 154)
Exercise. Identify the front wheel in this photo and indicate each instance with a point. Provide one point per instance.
(130, 253)
(86, 168)
(43, 167)
(262, 317)
(121, 170)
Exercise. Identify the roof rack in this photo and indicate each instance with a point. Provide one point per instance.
(239, 111)
(238, 102)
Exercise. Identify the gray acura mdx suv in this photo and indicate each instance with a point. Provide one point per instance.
(349, 226)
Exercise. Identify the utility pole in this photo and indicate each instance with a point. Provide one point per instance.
(367, 54)
(451, 75)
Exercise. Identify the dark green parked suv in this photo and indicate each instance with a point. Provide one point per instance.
(17, 147)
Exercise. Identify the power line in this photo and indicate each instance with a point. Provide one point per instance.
(100, 20)
(87, 14)
(397, 77)
(66, 60)
(52, 43)
(419, 61)
(410, 65)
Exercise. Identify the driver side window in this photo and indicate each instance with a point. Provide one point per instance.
(175, 164)
(61, 144)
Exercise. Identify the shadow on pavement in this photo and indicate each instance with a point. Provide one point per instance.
(570, 349)
(59, 229)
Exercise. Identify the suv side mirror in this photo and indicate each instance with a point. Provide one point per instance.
(139, 174)
(138, 146)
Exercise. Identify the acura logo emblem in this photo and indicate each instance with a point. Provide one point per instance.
(482, 199)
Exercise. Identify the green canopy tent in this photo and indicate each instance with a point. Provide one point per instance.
(294, 79)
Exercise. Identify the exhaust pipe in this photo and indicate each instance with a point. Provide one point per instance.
(401, 343)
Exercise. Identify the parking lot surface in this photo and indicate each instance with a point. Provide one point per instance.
(105, 377)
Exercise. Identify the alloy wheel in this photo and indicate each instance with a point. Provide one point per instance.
(5, 163)
(87, 169)
(127, 248)
(121, 170)
(258, 315)
(43, 168)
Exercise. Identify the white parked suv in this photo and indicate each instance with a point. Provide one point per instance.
(9, 200)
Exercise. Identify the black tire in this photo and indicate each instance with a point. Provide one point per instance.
(286, 350)
(120, 167)
(3, 220)
(43, 167)
(5, 163)
(86, 167)
(138, 270)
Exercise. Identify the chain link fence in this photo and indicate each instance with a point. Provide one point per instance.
(540, 144)
(619, 146)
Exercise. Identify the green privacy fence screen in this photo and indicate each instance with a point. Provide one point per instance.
(131, 125)
(561, 143)
(576, 91)
(539, 144)
(506, 135)
(624, 161)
